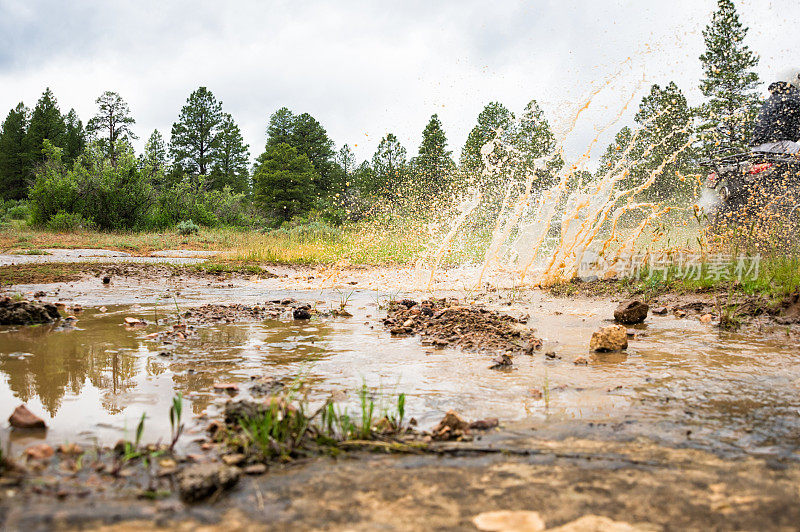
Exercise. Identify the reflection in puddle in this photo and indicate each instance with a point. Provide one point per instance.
(682, 381)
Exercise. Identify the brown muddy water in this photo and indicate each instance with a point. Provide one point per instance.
(681, 382)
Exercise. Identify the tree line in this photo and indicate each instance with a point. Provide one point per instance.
(90, 175)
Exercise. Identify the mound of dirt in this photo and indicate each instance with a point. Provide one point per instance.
(26, 312)
(443, 322)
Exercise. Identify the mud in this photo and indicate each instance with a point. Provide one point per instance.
(692, 427)
(444, 322)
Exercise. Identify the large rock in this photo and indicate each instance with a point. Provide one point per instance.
(200, 481)
(611, 338)
(26, 313)
(631, 312)
(22, 418)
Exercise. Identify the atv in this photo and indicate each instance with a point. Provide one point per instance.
(754, 192)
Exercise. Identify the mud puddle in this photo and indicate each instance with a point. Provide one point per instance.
(681, 382)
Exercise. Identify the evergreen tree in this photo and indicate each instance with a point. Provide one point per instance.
(232, 156)
(46, 123)
(306, 134)
(346, 159)
(14, 170)
(535, 139)
(389, 167)
(74, 137)
(283, 182)
(281, 127)
(616, 155)
(729, 84)
(433, 166)
(666, 119)
(111, 124)
(195, 141)
(494, 117)
(311, 139)
(155, 151)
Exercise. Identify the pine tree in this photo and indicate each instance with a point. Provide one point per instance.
(666, 120)
(311, 139)
(74, 138)
(232, 156)
(534, 139)
(283, 182)
(389, 167)
(14, 170)
(730, 84)
(194, 141)
(112, 123)
(281, 127)
(433, 166)
(155, 151)
(46, 123)
(494, 117)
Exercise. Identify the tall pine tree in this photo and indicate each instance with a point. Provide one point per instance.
(74, 138)
(14, 172)
(729, 84)
(195, 136)
(433, 166)
(232, 156)
(112, 123)
(46, 123)
(494, 117)
(389, 167)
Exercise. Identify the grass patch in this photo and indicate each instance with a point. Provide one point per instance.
(43, 273)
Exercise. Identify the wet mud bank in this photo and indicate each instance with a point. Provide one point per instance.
(505, 407)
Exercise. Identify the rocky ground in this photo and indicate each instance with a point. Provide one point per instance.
(461, 475)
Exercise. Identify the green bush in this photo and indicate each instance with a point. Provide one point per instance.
(68, 221)
(19, 212)
(113, 196)
(182, 201)
(187, 228)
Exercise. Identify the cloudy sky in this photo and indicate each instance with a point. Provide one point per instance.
(367, 68)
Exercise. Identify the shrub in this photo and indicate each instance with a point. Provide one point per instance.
(113, 196)
(188, 227)
(19, 212)
(64, 221)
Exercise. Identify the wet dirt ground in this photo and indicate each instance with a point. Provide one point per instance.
(691, 427)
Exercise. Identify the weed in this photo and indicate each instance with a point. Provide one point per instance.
(176, 427)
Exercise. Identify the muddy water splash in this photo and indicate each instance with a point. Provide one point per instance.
(541, 234)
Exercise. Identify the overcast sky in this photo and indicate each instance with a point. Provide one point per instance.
(367, 68)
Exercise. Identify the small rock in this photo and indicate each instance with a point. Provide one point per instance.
(631, 312)
(408, 323)
(509, 521)
(599, 523)
(501, 362)
(200, 481)
(611, 338)
(301, 314)
(40, 294)
(450, 427)
(39, 452)
(106, 279)
(26, 313)
(536, 393)
(22, 418)
(532, 345)
(660, 311)
(551, 355)
(408, 303)
(226, 387)
(70, 449)
(706, 318)
(233, 459)
(580, 361)
(133, 322)
(255, 469)
(484, 424)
